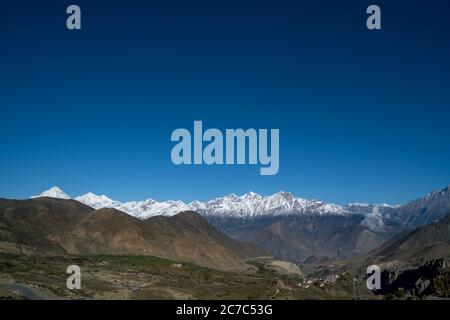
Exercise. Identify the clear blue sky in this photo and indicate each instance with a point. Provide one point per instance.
(363, 116)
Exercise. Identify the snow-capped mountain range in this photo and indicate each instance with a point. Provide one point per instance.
(248, 206)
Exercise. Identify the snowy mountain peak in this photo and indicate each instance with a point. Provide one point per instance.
(230, 196)
(96, 201)
(251, 195)
(284, 195)
(150, 208)
(54, 192)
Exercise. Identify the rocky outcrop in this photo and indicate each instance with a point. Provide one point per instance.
(431, 278)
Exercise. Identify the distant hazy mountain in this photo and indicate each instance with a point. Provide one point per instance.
(423, 211)
(367, 208)
(296, 238)
(426, 242)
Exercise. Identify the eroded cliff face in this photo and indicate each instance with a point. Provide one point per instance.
(430, 279)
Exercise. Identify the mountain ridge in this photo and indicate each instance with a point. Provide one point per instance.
(247, 206)
(419, 212)
(292, 228)
(48, 226)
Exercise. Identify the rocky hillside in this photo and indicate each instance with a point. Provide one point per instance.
(50, 226)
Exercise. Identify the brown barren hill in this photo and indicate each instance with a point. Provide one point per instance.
(48, 226)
